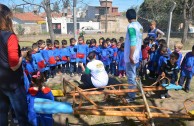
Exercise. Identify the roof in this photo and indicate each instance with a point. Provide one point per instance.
(55, 14)
(28, 16)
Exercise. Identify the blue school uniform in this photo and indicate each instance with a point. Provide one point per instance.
(50, 58)
(64, 54)
(38, 62)
(105, 55)
(179, 60)
(37, 119)
(187, 66)
(72, 53)
(152, 33)
(162, 59)
(120, 60)
(115, 50)
(57, 52)
(151, 61)
(82, 52)
(95, 49)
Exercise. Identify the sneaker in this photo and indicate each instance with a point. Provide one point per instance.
(162, 96)
(167, 96)
(186, 90)
(72, 75)
(124, 76)
(130, 100)
(120, 75)
(15, 121)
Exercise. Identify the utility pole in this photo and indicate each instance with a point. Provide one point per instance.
(106, 22)
(75, 19)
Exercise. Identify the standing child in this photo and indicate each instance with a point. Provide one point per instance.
(121, 62)
(177, 48)
(37, 59)
(57, 52)
(82, 52)
(72, 55)
(64, 54)
(121, 39)
(170, 70)
(37, 90)
(145, 56)
(93, 47)
(114, 57)
(105, 54)
(51, 59)
(29, 69)
(151, 68)
(187, 70)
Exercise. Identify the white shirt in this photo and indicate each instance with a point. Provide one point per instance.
(139, 36)
(99, 75)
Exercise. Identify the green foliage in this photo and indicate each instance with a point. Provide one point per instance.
(20, 30)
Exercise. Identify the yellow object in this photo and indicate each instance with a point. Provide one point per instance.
(191, 113)
(57, 93)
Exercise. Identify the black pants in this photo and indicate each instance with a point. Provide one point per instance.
(87, 82)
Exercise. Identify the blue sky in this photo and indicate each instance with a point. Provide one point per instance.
(122, 4)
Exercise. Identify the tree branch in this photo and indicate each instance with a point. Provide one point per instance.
(32, 3)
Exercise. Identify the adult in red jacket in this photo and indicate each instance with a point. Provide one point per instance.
(12, 92)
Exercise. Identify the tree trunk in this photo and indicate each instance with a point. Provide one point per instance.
(185, 31)
(49, 19)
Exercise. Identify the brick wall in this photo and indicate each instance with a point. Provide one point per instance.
(29, 28)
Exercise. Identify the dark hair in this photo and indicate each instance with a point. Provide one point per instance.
(34, 45)
(6, 18)
(92, 41)
(56, 42)
(48, 41)
(71, 40)
(91, 55)
(162, 42)
(40, 42)
(49, 44)
(82, 37)
(29, 55)
(164, 48)
(193, 48)
(104, 42)
(88, 42)
(101, 39)
(174, 55)
(122, 45)
(114, 40)
(64, 42)
(38, 79)
(131, 14)
(152, 38)
(121, 39)
(107, 39)
(146, 41)
(155, 46)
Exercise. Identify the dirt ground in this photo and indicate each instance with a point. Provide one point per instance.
(174, 103)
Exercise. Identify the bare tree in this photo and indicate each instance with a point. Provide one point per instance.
(45, 4)
(188, 6)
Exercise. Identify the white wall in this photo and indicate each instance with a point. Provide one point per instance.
(95, 25)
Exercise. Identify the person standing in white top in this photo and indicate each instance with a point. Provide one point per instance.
(95, 75)
(132, 50)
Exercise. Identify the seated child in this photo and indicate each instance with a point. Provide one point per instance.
(37, 90)
(170, 70)
(187, 70)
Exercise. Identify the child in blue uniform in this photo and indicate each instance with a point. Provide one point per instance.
(114, 56)
(105, 54)
(51, 61)
(57, 52)
(37, 59)
(82, 52)
(42, 49)
(177, 48)
(64, 54)
(28, 68)
(93, 48)
(170, 70)
(187, 70)
(151, 68)
(121, 62)
(37, 90)
(72, 55)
